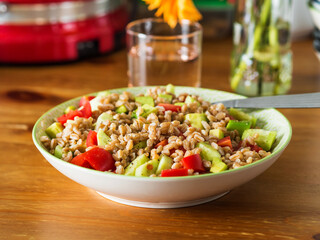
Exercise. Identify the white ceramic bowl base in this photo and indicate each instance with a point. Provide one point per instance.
(163, 204)
(169, 192)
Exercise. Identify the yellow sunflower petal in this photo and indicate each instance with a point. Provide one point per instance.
(187, 10)
(153, 4)
(174, 10)
(170, 13)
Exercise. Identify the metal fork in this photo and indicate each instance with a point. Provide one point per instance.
(306, 100)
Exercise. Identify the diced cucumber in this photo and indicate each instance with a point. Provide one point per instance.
(70, 108)
(215, 160)
(131, 169)
(141, 144)
(217, 133)
(165, 162)
(211, 154)
(103, 138)
(166, 97)
(53, 129)
(208, 152)
(196, 119)
(265, 138)
(148, 168)
(94, 103)
(191, 100)
(240, 126)
(170, 88)
(179, 104)
(103, 117)
(121, 109)
(147, 109)
(145, 100)
(218, 167)
(58, 151)
(242, 116)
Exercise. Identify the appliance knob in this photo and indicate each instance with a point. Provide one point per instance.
(3, 8)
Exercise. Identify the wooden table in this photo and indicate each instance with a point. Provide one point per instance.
(37, 202)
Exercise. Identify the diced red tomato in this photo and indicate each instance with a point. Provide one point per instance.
(85, 99)
(231, 117)
(174, 172)
(255, 147)
(225, 142)
(69, 116)
(239, 145)
(170, 107)
(92, 139)
(86, 110)
(162, 143)
(180, 148)
(83, 111)
(193, 162)
(80, 161)
(97, 158)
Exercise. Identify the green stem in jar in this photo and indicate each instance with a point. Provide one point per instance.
(254, 44)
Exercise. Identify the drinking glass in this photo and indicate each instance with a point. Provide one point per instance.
(159, 55)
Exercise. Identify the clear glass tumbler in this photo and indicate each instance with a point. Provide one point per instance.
(159, 55)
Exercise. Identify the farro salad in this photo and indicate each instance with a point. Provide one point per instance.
(156, 134)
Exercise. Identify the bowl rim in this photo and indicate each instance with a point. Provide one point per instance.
(43, 150)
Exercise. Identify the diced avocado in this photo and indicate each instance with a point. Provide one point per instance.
(53, 129)
(143, 100)
(240, 126)
(103, 117)
(103, 138)
(148, 168)
(208, 152)
(121, 109)
(166, 97)
(58, 151)
(141, 144)
(131, 169)
(218, 167)
(265, 138)
(217, 133)
(195, 119)
(170, 88)
(165, 162)
(191, 100)
(70, 108)
(242, 116)
(179, 104)
(94, 103)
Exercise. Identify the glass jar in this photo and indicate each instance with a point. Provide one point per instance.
(261, 58)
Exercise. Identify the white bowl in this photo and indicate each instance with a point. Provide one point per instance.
(175, 191)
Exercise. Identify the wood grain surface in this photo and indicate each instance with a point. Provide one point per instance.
(37, 202)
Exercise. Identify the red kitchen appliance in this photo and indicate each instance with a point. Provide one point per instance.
(44, 31)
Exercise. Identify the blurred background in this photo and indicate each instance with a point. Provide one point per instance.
(54, 31)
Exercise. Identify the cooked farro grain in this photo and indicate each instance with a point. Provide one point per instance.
(161, 131)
